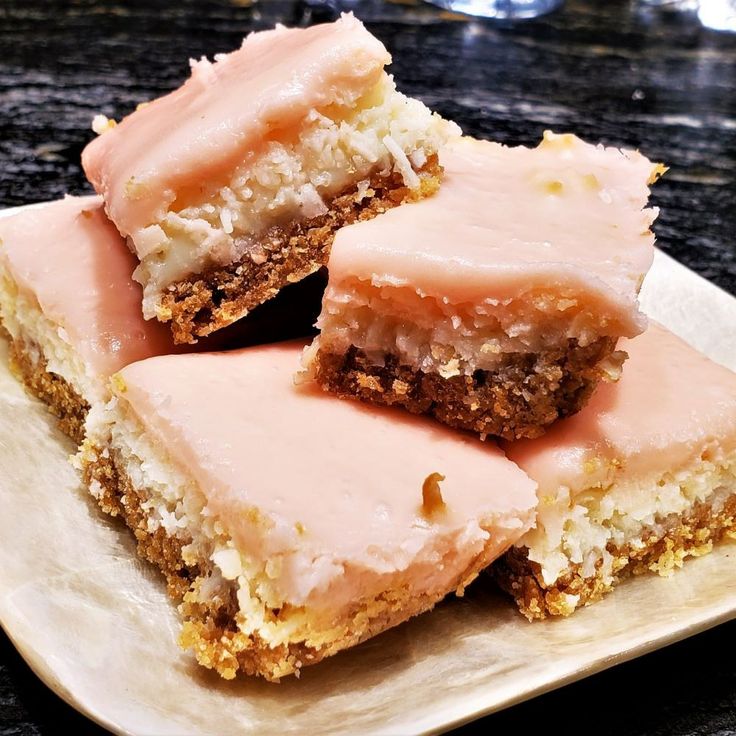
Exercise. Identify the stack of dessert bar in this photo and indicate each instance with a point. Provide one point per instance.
(483, 388)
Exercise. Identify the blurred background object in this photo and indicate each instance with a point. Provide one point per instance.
(500, 9)
(671, 5)
(718, 15)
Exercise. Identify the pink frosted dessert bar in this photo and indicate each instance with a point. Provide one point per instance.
(291, 525)
(642, 478)
(70, 306)
(496, 304)
(232, 186)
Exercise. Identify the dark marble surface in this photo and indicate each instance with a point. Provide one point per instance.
(605, 69)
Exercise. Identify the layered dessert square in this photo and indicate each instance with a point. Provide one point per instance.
(233, 185)
(496, 304)
(291, 525)
(642, 478)
(70, 306)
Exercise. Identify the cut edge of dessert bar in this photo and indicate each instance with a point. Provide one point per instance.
(58, 382)
(63, 345)
(519, 397)
(622, 522)
(281, 641)
(507, 366)
(40, 353)
(212, 249)
(664, 548)
(223, 595)
(203, 302)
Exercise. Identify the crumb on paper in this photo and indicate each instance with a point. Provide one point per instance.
(432, 501)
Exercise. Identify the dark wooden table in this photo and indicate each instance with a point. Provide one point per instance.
(608, 70)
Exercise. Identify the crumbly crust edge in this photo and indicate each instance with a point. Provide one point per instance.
(692, 534)
(204, 302)
(60, 397)
(524, 395)
(210, 629)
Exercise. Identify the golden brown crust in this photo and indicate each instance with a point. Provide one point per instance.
(691, 535)
(58, 395)
(209, 629)
(208, 301)
(525, 394)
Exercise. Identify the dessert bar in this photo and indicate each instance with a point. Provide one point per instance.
(495, 305)
(289, 524)
(70, 306)
(232, 186)
(642, 478)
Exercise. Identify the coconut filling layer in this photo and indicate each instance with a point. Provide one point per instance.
(287, 180)
(436, 336)
(579, 528)
(279, 599)
(44, 340)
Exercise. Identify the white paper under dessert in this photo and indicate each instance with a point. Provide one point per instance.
(95, 623)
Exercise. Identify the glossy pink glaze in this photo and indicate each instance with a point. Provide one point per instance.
(69, 258)
(186, 142)
(350, 475)
(565, 216)
(670, 405)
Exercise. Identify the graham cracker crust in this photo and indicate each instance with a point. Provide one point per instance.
(61, 399)
(692, 535)
(210, 629)
(525, 394)
(208, 301)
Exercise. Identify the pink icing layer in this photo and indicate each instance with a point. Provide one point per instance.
(671, 405)
(181, 143)
(69, 258)
(563, 216)
(349, 474)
